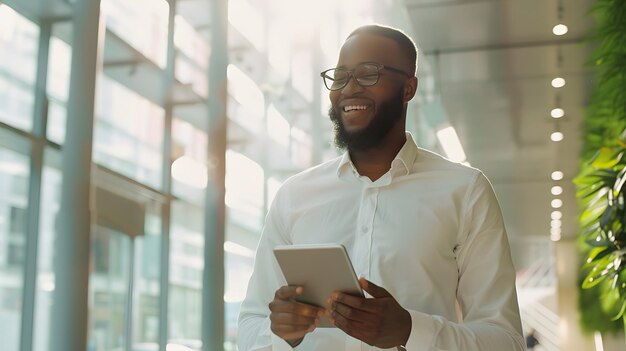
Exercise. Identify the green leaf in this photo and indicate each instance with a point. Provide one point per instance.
(605, 158)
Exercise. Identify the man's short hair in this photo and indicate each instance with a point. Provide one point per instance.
(406, 44)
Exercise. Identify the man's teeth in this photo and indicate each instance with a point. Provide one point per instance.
(354, 107)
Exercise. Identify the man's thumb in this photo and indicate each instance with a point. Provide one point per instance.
(373, 289)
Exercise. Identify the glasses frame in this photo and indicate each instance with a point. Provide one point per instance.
(350, 73)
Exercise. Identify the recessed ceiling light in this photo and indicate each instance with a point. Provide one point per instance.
(555, 234)
(558, 82)
(556, 203)
(559, 29)
(556, 190)
(556, 215)
(557, 175)
(557, 113)
(556, 136)
(555, 223)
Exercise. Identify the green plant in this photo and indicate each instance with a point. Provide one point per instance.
(601, 192)
(600, 182)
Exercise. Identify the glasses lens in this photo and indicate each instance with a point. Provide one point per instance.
(336, 78)
(366, 75)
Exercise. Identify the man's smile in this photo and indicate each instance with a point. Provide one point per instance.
(350, 108)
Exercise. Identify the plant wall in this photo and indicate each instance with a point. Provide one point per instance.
(600, 183)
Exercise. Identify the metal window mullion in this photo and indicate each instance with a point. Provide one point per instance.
(128, 320)
(168, 86)
(40, 118)
(213, 274)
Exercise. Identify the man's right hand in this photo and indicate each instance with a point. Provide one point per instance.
(292, 320)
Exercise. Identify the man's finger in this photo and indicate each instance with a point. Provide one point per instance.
(351, 313)
(373, 289)
(288, 291)
(297, 308)
(356, 302)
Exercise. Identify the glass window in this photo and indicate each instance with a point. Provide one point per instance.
(244, 190)
(14, 176)
(249, 21)
(186, 266)
(302, 73)
(18, 68)
(189, 170)
(277, 126)
(141, 23)
(58, 88)
(50, 203)
(279, 53)
(111, 255)
(301, 145)
(146, 288)
(249, 102)
(128, 135)
(191, 43)
(193, 57)
(239, 262)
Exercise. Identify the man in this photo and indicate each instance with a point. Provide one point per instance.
(425, 234)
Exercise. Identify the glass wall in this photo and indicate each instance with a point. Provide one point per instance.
(14, 176)
(19, 37)
(151, 149)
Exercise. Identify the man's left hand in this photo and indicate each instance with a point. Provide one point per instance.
(379, 322)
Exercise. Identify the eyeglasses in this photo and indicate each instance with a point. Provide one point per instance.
(365, 74)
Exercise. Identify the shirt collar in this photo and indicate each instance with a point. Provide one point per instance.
(401, 164)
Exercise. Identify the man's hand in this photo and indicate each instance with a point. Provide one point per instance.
(292, 320)
(379, 322)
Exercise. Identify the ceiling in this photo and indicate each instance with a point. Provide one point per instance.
(493, 61)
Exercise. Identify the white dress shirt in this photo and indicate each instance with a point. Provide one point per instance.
(430, 231)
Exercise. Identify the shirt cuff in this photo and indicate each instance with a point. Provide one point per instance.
(422, 332)
(279, 344)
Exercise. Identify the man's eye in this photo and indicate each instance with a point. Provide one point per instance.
(369, 75)
(339, 76)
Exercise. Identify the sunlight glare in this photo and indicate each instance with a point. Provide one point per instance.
(451, 144)
(190, 172)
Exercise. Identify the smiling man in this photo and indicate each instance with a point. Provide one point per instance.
(425, 234)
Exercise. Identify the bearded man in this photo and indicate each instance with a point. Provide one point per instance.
(425, 235)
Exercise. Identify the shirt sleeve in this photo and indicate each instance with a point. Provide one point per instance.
(486, 288)
(254, 332)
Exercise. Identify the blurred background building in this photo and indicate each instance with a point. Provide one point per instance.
(501, 88)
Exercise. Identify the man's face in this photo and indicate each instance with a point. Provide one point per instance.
(363, 116)
(387, 114)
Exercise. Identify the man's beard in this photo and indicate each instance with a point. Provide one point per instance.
(385, 118)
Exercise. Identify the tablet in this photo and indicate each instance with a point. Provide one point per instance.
(320, 269)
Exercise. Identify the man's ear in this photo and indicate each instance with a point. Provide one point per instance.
(410, 88)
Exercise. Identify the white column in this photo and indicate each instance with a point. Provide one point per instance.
(71, 261)
(567, 267)
(213, 275)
